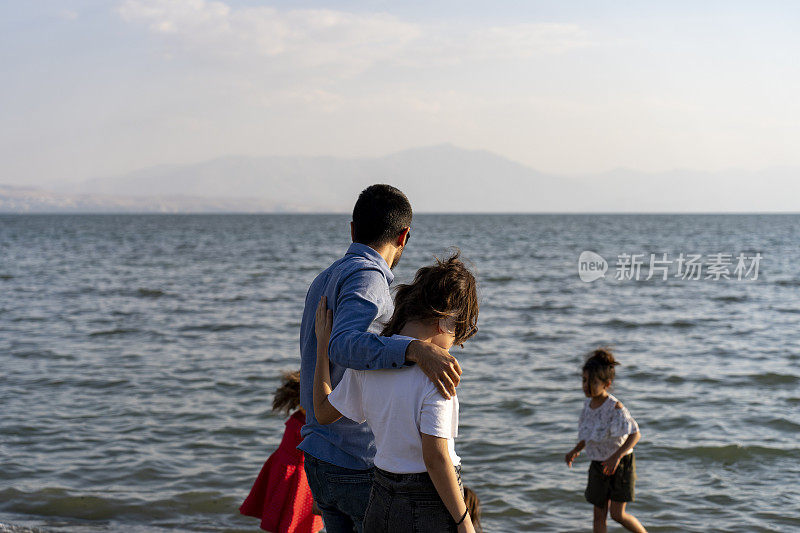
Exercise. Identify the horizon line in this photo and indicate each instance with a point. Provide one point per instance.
(439, 213)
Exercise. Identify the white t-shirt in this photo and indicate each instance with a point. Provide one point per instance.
(605, 428)
(398, 404)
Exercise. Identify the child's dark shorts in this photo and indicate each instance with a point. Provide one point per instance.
(618, 487)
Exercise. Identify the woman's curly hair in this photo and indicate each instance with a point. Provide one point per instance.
(446, 288)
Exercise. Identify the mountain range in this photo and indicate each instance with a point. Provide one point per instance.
(441, 178)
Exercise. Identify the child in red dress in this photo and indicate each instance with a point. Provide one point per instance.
(280, 496)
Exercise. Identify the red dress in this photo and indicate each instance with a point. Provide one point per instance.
(280, 496)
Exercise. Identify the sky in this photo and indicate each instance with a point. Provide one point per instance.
(99, 88)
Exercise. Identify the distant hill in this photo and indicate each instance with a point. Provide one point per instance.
(441, 178)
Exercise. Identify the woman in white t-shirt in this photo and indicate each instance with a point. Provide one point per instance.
(417, 481)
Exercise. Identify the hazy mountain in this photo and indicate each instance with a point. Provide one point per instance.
(440, 178)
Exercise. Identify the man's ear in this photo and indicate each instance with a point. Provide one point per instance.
(401, 237)
(352, 232)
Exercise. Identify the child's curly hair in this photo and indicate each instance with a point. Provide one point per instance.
(600, 365)
(287, 397)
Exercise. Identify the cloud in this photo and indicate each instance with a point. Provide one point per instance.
(497, 43)
(306, 37)
(348, 42)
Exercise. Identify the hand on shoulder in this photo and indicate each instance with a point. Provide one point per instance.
(436, 363)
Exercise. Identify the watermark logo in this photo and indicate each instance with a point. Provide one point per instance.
(591, 266)
(717, 266)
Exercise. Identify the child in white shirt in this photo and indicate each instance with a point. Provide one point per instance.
(608, 432)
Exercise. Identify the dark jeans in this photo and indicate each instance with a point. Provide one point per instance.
(341, 494)
(407, 503)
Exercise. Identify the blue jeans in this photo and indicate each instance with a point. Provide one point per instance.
(341, 494)
(407, 503)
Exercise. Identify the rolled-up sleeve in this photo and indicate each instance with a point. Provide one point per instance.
(357, 306)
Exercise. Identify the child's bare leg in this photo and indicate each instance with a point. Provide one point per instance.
(600, 514)
(626, 520)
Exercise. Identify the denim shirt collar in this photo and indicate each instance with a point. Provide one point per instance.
(363, 250)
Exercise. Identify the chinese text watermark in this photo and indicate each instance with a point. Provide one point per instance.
(686, 266)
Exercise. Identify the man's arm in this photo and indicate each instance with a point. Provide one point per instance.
(352, 346)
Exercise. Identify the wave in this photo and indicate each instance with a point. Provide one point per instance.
(270, 299)
(237, 298)
(732, 452)
(66, 503)
(115, 331)
(730, 298)
(549, 306)
(42, 354)
(11, 528)
(780, 424)
(792, 310)
(498, 279)
(675, 379)
(140, 292)
(221, 327)
(773, 378)
(629, 324)
(30, 319)
(150, 293)
(80, 382)
(535, 336)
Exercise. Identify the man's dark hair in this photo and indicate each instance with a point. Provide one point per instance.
(380, 214)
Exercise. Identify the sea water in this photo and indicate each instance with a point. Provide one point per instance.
(139, 355)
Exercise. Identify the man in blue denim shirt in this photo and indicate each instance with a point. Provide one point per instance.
(338, 457)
